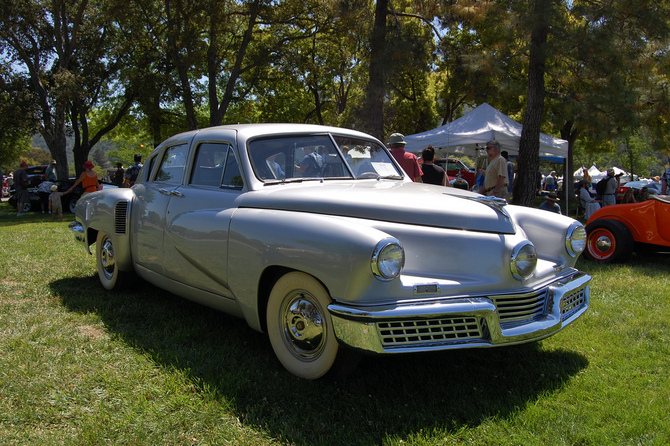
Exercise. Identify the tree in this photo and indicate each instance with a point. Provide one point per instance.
(17, 121)
(373, 111)
(529, 146)
(66, 52)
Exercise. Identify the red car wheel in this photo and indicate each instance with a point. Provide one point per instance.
(608, 241)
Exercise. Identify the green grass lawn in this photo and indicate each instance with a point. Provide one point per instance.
(80, 365)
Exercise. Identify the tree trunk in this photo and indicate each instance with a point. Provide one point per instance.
(54, 136)
(373, 119)
(569, 134)
(528, 162)
(217, 110)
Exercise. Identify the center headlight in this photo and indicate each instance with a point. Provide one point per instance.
(575, 239)
(388, 259)
(523, 261)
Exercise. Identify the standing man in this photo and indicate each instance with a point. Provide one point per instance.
(665, 179)
(21, 184)
(495, 175)
(432, 174)
(407, 160)
(612, 185)
(134, 170)
(50, 172)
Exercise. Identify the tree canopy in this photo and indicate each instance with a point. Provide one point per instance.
(137, 71)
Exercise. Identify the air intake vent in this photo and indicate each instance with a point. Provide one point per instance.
(518, 309)
(448, 330)
(571, 303)
(120, 214)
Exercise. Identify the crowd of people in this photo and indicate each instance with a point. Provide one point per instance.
(495, 177)
(47, 188)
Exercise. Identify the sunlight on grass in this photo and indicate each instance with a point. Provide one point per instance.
(79, 365)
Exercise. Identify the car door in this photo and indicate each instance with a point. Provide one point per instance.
(153, 197)
(195, 248)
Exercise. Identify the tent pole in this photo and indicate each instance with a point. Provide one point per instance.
(566, 186)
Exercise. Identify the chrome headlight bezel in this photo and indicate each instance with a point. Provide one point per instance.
(388, 259)
(523, 260)
(575, 239)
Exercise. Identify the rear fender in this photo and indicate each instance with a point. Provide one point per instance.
(108, 211)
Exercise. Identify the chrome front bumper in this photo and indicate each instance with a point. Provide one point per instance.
(78, 230)
(483, 321)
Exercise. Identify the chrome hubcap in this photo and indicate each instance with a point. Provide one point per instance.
(603, 243)
(302, 326)
(107, 258)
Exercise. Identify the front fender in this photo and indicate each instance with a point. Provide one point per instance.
(334, 250)
(547, 231)
(108, 211)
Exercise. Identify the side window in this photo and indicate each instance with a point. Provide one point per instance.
(209, 163)
(232, 178)
(172, 166)
(145, 171)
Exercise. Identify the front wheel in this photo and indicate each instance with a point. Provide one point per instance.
(301, 330)
(108, 270)
(608, 241)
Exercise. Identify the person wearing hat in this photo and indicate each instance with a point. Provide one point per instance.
(408, 161)
(50, 172)
(495, 175)
(88, 180)
(609, 197)
(55, 204)
(550, 204)
(21, 184)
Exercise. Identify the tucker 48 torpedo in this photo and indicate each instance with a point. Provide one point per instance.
(316, 236)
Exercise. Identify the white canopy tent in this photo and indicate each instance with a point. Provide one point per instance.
(472, 131)
(597, 175)
(593, 172)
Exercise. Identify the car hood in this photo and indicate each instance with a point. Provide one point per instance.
(386, 200)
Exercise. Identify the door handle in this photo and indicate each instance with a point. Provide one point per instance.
(176, 193)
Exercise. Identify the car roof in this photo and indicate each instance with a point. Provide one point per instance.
(247, 131)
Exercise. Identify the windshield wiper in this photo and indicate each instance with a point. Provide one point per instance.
(293, 180)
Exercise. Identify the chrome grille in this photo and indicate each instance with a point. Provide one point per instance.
(520, 307)
(572, 303)
(428, 331)
(120, 212)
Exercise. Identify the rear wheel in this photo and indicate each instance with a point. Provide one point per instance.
(301, 330)
(108, 270)
(608, 241)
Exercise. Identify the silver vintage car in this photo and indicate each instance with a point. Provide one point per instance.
(316, 236)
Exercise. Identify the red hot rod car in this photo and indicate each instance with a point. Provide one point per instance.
(614, 232)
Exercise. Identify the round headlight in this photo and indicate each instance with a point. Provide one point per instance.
(524, 260)
(575, 239)
(388, 259)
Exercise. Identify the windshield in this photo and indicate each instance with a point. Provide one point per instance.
(300, 157)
